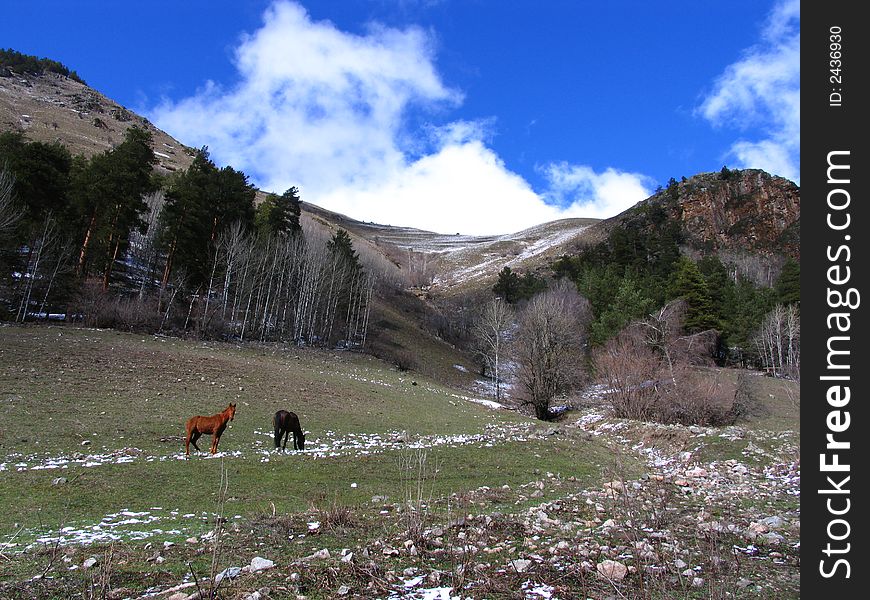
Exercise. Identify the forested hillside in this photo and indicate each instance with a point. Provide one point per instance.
(127, 238)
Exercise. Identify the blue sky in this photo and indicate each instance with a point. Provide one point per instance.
(474, 116)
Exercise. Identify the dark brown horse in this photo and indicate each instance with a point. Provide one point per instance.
(214, 425)
(286, 422)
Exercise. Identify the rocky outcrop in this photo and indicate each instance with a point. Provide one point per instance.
(747, 210)
(724, 213)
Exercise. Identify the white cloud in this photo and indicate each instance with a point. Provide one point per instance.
(325, 110)
(763, 91)
(590, 194)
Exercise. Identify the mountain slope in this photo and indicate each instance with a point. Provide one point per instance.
(53, 108)
(739, 211)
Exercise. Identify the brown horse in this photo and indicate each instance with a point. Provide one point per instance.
(214, 425)
(286, 422)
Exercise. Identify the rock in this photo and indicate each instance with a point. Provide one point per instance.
(192, 540)
(86, 443)
(520, 565)
(696, 472)
(89, 563)
(743, 583)
(261, 564)
(774, 522)
(58, 481)
(178, 596)
(697, 582)
(680, 564)
(756, 529)
(616, 486)
(254, 596)
(319, 555)
(773, 539)
(228, 573)
(343, 590)
(612, 570)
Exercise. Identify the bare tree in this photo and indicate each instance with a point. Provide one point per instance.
(9, 212)
(652, 374)
(491, 330)
(778, 341)
(549, 345)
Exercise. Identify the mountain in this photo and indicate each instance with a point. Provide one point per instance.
(50, 107)
(746, 217)
(731, 211)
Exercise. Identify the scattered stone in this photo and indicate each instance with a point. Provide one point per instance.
(228, 573)
(772, 539)
(59, 481)
(261, 564)
(191, 540)
(612, 570)
(616, 486)
(319, 555)
(774, 522)
(521, 565)
(89, 563)
(343, 590)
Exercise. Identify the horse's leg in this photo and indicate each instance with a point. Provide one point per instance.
(295, 442)
(187, 443)
(215, 437)
(195, 436)
(284, 447)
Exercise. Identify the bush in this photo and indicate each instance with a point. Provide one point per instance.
(651, 374)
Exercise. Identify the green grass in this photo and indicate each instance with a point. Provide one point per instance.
(130, 394)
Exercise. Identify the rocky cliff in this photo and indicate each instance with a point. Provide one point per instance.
(728, 212)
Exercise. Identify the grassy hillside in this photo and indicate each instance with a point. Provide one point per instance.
(105, 411)
(416, 486)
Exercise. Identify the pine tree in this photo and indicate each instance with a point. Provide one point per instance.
(788, 285)
(690, 285)
(279, 215)
(507, 286)
(201, 204)
(108, 194)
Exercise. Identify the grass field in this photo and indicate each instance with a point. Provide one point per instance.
(105, 411)
(406, 488)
